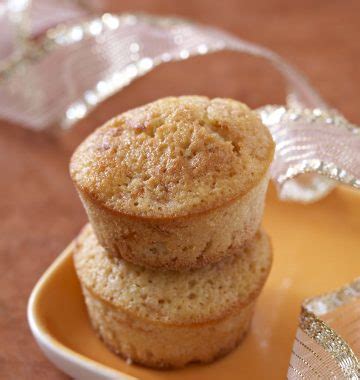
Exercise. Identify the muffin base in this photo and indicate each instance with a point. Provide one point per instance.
(170, 319)
(178, 243)
(166, 346)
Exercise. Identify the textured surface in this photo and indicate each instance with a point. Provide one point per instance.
(197, 167)
(164, 346)
(325, 235)
(174, 297)
(179, 243)
(174, 157)
(169, 319)
(41, 212)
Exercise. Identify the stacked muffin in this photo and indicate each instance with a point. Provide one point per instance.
(174, 259)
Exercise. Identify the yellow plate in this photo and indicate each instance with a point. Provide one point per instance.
(316, 249)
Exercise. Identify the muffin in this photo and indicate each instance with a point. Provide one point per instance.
(176, 184)
(168, 318)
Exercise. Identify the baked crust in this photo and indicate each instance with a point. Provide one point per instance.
(174, 157)
(165, 346)
(181, 243)
(141, 320)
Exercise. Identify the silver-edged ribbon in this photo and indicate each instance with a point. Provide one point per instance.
(58, 74)
(75, 66)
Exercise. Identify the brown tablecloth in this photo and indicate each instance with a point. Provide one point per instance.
(39, 209)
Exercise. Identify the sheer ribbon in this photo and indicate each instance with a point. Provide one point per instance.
(71, 68)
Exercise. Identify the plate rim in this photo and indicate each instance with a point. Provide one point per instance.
(50, 346)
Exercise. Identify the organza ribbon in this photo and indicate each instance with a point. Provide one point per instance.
(327, 344)
(71, 68)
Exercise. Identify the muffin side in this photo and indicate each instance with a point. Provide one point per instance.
(161, 346)
(176, 184)
(181, 243)
(169, 319)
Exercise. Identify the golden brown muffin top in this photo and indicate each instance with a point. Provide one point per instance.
(195, 296)
(174, 157)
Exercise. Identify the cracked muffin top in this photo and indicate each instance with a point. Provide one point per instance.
(174, 157)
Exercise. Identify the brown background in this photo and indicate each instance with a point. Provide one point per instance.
(39, 210)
